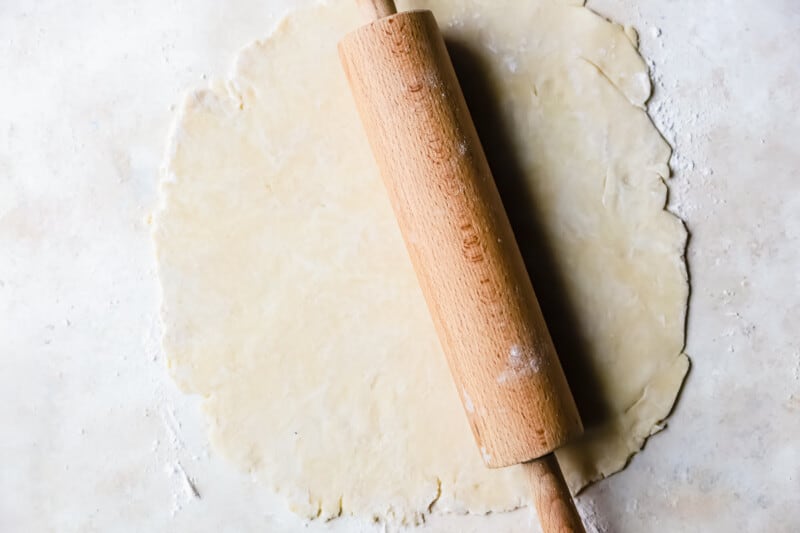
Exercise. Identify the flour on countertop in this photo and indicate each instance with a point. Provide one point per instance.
(681, 128)
(169, 449)
(592, 520)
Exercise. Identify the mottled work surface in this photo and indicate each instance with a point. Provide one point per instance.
(86, 403)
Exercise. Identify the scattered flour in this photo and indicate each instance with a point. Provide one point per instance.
(521, 362)
(169, 449)
(592, 520)
(468, 405)
(683, 128)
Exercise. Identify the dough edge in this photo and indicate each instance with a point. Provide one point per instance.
(644, 417)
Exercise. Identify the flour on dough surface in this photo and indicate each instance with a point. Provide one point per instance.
(290, 304)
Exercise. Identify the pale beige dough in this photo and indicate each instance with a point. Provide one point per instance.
(290, 304)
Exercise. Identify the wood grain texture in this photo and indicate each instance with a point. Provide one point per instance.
(376, 9)
(459, 238)
(554, 505)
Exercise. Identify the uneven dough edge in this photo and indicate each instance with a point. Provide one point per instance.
(653, 406)
(607, 450)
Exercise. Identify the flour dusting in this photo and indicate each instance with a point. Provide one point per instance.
(468, 405)
(682, 128)
(522, 362)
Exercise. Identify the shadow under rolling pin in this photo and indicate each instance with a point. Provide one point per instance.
(463, 250)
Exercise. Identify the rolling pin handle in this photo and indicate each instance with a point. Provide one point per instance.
(554, 504)
(377, 9)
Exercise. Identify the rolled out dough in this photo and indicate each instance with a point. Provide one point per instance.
(290, 304)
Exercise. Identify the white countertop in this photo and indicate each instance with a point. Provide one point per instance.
(95, 436)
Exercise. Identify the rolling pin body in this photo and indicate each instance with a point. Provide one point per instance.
(459, 238)
(466, 258)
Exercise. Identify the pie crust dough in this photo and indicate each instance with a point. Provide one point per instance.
(290, 304)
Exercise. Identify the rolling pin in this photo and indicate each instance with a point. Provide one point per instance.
(463, 250)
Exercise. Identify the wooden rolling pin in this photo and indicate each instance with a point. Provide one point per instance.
(461, 244)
